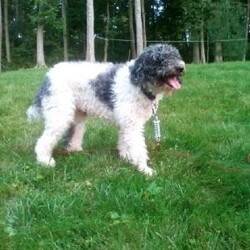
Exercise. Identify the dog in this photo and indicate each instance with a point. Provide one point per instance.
(122, 93)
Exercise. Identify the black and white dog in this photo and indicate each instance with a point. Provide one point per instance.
(122, 93)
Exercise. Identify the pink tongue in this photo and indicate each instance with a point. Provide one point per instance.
(174, 82)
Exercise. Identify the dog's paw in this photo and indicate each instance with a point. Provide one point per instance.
(72, 149)
(148, 171)
(48, 162)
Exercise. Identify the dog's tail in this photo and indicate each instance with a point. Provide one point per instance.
(33, 113)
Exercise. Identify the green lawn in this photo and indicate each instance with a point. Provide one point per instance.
(200, 198)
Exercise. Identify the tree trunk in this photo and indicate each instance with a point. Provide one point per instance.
(196, 52)
(131, 28)
(40, 46)
(203, 56)
(246, 31)
(138, 22)
(90, 49)
(143, 24)
(16, 3)
(1, 36)
(65, 30)
(208, 49)
(105, 58)
(6, 31)
(218, 52)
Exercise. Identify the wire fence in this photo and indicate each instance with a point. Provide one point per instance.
(169, 41)
(233, 49)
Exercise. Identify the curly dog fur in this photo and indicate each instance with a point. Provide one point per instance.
(122, 93)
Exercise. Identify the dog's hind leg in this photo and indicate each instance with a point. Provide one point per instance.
(57, 121)
(76, 132)
(132, 147)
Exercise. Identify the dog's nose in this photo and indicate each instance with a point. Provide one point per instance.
(179, 69)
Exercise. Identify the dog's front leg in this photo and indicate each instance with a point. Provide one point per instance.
(132, 147)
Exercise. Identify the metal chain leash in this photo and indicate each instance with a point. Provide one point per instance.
(156, 124)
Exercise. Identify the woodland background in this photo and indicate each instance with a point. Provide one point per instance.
(44, 32)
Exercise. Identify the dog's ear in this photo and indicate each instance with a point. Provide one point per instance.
(141, 69)
(139, 76)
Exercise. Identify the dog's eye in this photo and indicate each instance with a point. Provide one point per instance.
(160, 73)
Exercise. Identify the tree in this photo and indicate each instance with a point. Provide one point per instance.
(196, 52)
(40, 13)
(76, 20)
(202, 47)
(65, 30)
(143, 24)
(131, 28)
(107, 20)
(139, 32)
(6, 31)
(246, 30)
(40, 58)
(90, 49)
(1, 36)
(227, 22)
(196, 15)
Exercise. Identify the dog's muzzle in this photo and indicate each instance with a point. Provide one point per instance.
(180, 68)
(173, 80)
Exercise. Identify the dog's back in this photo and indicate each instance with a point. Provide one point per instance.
(67, 77)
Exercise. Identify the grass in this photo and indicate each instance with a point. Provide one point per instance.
(200, 198)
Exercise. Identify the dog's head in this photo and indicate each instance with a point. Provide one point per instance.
(159, 68)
